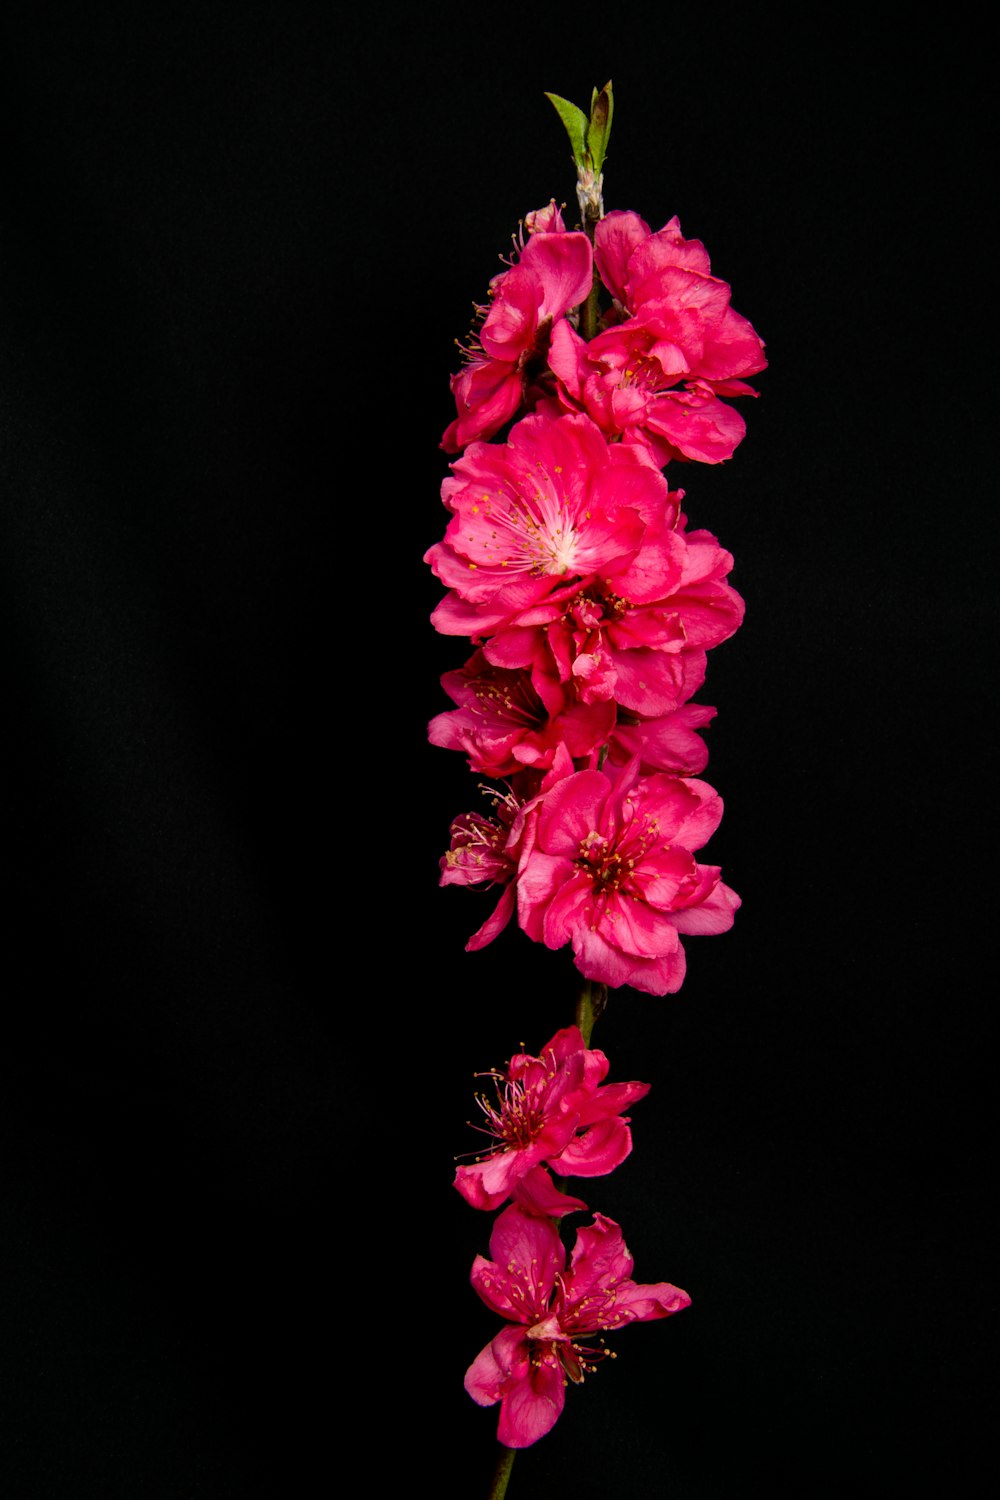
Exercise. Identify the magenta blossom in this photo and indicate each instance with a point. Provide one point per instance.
(609, 868)
(553, 1316)
(552, 275)
(553, 505)
(655, 378)
(479, 856)
(637, 634)
(670, 743)
(550, 1109)
(485, 851)
(504, 722)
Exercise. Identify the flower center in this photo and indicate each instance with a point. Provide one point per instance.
(536, 533)
(508, 698)
(601, 862)
(575, 1360)
(614, 861)
(642, 372)
(596, 606)
(515, 1118)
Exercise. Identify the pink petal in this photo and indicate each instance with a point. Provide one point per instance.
(571, 811)
(487, 394)
(486, 1184)
(522, 1240)
(509, 329)
(659, 254)
(650, 682)
(539, 878)
(610, 1100)
(496, 923)
(616, 236)
(644, 1303)
(532, 1404)
(566, 1043)
(567, 910)
(600, 1259)
(492, 1367)
(699, 427)
(597, 1151)
(539, 1195)
(713, 914)
(568, 358)
(596, 959)
(668, 743)
(563, 265)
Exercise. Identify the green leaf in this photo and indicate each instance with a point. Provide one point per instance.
(576, 124)
(599, 129)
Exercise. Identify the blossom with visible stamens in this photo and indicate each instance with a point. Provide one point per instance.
(554, 1314)
(552, 275)
(550, 1109)
(553, 505)
(479, 856)
(485, 851)
(610, 869)
(504, 723)
(637, 634)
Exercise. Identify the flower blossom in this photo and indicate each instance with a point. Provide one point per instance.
(568, 557)
(479, 855)
(504, 722)
(669, 743)
(553, 503)
(635, 633)
(552, 275)
(550, 1109)
(655, 377)
(485, 851)
(553, 1314)
(609, 868)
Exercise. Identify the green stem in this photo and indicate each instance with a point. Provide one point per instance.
(584, 1017)
(590, 311)
(592, 212)
(590, 1005)
(504, 1465)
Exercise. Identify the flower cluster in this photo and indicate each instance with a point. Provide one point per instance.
(589, 606)
(552, 1111)
(588, 602)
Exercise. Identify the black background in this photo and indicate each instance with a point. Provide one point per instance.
(239, 1026)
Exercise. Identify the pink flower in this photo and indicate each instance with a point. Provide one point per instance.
(552, 505)
(485, 851)
(655, 379)
(547, 220)
(479, 856)
(503, 722)
(550, 1109)
(637, 632)
(609, 868)
(669, 743)
(552, 1312)
(552, 275)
